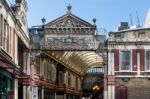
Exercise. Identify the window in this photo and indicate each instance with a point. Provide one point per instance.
(79, 83)
(118, 36)
(53, 72)
(37, 65)
(69, 79)
(61, 78)
(148, 60)
(45, 68)
(5, 34)
(7, 39)
(76, 82)
(125, 60)
(1, 30)
(49, 70)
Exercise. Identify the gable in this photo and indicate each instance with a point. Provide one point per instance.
(68, 21)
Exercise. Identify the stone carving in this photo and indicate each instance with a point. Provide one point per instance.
(69, 43)
(68, 23)
(69, 31)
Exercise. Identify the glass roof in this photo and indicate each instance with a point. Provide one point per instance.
(80, 61)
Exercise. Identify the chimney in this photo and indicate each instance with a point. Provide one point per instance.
(123, 26)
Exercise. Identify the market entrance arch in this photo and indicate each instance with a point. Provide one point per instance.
(73, 45)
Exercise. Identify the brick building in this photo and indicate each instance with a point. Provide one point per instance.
(129, 64)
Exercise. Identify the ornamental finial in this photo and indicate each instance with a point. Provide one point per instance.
(94, 20)
(69, 8)
(43, 20)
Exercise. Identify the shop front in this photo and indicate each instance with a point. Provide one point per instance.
(6, 85)
(49, 94)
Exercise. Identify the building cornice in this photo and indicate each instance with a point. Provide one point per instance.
(128, 42)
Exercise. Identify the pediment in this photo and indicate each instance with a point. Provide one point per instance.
(68, 21)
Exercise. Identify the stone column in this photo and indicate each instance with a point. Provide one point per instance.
(138, 64)
(55, 95)
(111, 76)
(65, 96)
(29, 92)
(26, 69)
(24, 92)
(42, 93)
(16, 89)
(105, 82)
(28, 63)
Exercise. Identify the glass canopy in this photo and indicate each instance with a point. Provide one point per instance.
(80, 61)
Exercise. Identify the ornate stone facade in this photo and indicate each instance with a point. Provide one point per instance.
(68, 32)
(14, 50)
(68, 42)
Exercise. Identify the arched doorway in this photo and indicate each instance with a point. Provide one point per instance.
(93, 83)
(72, 45)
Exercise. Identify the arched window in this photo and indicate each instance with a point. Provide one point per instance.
(45, 68)
(53, 72)
(48, 70)
(37, 65)
(69, 79)
(61, 81)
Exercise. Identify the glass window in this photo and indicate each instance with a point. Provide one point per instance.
(45, 69)
(52, 72)
(118, 36)
(49, 70)
(69, 79)
(125, 60)
(5, 34)
(37, 65)
(0, 30)
(61, 78)
(148, 60)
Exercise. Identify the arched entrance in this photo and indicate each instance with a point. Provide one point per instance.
(93, 84)
(66, 48)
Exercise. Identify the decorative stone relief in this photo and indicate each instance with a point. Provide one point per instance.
(70, 43)
(68, 23)
(69, 31)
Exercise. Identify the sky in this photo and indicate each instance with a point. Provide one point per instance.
(108, 13)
